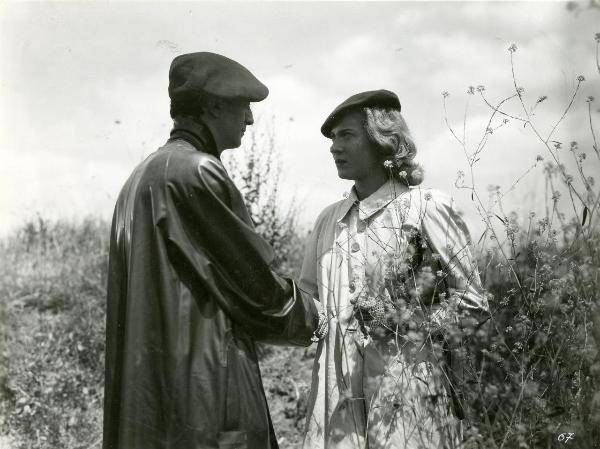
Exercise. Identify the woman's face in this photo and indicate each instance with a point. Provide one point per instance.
(354, 155)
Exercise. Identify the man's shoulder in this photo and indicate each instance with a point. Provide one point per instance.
(181, 151)
(185, 163)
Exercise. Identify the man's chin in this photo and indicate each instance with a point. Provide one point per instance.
(233, 145)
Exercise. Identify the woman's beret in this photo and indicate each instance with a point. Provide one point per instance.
(214, 74)
(382, 97)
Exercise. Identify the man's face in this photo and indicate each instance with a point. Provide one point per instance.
(234, 117)
(353, 154)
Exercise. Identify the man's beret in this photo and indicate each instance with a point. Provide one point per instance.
(210, 73)
(382, 97)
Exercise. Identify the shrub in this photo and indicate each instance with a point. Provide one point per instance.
(52, 290)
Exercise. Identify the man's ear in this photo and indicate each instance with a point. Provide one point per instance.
(214, 107)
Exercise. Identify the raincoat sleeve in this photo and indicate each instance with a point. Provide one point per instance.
(308, 274)
(214, 248)
(450, 256)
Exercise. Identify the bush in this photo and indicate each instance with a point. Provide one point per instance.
(53, 293)
(533, 377)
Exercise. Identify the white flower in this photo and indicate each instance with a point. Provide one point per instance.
(427, 196)
(388, 164)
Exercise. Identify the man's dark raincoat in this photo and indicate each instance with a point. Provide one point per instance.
(189, 291)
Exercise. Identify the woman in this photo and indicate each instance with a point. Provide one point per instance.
(392, 268)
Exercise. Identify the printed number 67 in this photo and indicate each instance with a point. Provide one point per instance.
(564, 437)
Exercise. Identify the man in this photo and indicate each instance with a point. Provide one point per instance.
(376, 380)
(189, 284)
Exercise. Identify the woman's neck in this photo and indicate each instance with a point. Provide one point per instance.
(369, 185)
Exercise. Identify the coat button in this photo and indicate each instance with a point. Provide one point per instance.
(355, 247)
(352, 287)
(361, 226)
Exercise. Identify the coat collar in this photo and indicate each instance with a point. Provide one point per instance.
(196, 133)
(378, 200)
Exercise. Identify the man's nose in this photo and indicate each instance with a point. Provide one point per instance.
(335, 147)
(249, 117)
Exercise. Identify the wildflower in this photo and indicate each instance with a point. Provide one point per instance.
(388, 164)
(591, 180)
(542, 98)
(471, 90)
(427, 196)
(539, 158)
(439, 273)
(557, 145)
(489, 130)
(555, 195)
(590, 99)
(580, 78)
(402, 174)
(509, 329)
(582, 156)
(520, 90)
(512, 48)
(480, 88)
(445, 94)
(460, 173)
(574, 146)
(568, 179)
(505, 121)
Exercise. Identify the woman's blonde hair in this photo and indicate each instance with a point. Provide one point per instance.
(388, 132)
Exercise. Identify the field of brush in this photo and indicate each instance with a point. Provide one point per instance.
(535, 376)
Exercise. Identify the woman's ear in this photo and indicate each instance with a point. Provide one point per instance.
(402, 150)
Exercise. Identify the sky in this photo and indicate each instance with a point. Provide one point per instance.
(83, 89)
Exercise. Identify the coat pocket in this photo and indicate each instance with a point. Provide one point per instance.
(233, 439)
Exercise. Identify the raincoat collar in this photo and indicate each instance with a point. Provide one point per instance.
(196, 133)
(374, 203)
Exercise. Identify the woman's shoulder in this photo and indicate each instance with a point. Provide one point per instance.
(329, 212)
(423, 198)
(425, 204)
(428, 194)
